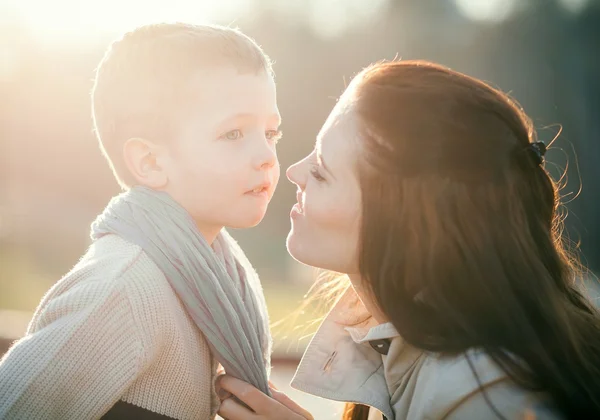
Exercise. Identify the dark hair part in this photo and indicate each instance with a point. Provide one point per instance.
(143, 85)
(460, 238)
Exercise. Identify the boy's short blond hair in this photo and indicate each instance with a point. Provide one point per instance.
(142, 84)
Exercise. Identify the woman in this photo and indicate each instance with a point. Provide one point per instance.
(427, 188)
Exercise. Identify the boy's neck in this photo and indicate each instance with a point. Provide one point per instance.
(209, 233)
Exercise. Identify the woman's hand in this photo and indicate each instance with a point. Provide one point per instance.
(280, 407)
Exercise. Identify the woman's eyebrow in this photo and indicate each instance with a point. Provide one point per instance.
(322, 163)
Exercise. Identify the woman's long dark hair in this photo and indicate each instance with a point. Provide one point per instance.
(458, 209)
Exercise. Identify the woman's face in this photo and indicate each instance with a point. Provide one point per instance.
(326, 220)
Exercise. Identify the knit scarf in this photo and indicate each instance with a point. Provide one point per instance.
(216, 284)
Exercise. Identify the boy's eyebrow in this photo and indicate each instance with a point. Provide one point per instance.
(249, 116)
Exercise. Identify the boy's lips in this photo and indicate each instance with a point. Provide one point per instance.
(260, 189)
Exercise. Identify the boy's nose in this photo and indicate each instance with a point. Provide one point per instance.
(267, 158)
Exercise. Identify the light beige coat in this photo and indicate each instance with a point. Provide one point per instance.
(345, 364)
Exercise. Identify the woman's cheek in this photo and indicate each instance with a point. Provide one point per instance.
(331, 214)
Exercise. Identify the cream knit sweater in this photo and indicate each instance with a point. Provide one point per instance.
(112, 329)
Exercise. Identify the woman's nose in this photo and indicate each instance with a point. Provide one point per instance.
(293, 173)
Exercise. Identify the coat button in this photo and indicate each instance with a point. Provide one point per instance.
(381, 346)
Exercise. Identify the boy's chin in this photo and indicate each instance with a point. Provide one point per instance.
(247, 222)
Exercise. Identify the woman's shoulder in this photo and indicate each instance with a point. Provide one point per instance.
(472, 385)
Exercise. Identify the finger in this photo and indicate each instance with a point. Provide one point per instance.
(272, 386)
(291, 404)
(231, 410)
(221, 393)
(248, 394)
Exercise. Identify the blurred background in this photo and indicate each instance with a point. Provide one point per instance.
(53, 180)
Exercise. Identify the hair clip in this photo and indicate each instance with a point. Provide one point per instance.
(537, 150)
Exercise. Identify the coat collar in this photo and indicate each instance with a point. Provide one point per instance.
(342, 363)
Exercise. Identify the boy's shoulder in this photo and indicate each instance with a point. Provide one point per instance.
(112, 270)
(115, 262)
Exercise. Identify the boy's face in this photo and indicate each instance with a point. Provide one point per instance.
(223, 168)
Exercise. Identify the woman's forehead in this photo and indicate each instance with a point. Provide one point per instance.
(337, 143)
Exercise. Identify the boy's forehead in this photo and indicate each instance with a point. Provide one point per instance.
(227, 78)
(240, 92)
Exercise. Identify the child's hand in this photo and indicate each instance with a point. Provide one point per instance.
(280, 407)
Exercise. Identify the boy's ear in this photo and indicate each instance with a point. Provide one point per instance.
(143, 159)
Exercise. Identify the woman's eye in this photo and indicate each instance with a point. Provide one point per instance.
(316, 175)
(233, 135)
(274, 135)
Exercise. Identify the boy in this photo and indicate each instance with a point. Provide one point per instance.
(187, 118)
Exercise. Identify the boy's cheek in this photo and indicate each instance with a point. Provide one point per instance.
(277, 170)
(276, 176)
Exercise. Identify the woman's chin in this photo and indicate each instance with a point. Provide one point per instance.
(319, 253)
(302, 251)
(294, 247)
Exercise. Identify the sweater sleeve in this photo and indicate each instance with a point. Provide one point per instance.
(82, 351)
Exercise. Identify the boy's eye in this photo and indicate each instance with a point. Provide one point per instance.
(274, 135)
(233, 135)
(316, 175)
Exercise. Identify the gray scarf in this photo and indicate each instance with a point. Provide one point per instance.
(217, 285)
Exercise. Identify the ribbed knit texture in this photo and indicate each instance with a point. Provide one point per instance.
(215, 282)
(111, 329)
